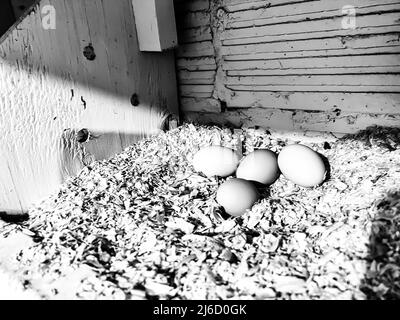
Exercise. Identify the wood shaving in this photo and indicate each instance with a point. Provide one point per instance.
(144, 225)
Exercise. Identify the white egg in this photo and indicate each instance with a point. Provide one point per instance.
(302, 165)
(260, 166)
(216, 161)
(237, 196)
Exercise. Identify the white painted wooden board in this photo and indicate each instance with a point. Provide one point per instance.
(293, 59)
(155, 24)
(47, 86)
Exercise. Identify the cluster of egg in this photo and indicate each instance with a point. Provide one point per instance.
(298, 163)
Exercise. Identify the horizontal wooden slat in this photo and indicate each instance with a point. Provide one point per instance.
(386, 27)
(196, 91)
(324, 62)
(379, 103)
(314, 53)
(314, 88)
(194, 35)
(196, 64)
(375, 20)
(258, 9)
(307, 12)
(193, 81)
(318, 80)
(315, 71)
(200, 105)
(198, 77)
(344, 43)
(193, 20)
(200, 49)
(241, 5)
(366, 31)
(295, 120)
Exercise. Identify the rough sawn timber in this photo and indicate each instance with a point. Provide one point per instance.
(290, 64)
(50, 89)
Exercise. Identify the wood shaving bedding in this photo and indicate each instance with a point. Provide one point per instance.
(144, 225)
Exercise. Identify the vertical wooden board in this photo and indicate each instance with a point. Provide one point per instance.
(48, 86)
(155, 24)
(166, 24)
(9, 198)
(147, 25)
(200, 105)
(123, 83)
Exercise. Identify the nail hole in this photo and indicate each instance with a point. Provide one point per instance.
(88, 52)
(135, 100)
(82, 135)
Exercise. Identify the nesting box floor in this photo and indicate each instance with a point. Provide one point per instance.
(145, 225)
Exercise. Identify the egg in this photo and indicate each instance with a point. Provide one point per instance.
(216, 161)
(260, 166)
(236, 196)
(302, 165)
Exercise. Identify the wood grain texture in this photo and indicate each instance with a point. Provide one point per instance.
(49, 86)
(290, 57)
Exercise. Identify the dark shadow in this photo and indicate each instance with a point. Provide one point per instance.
(223, 214)
(12, 216)
(327, 167)
(385, 138)
(7, 16)
(382, 279)
(16, 14)
(263, 190)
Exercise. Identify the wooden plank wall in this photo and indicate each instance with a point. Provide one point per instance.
(290, 64)
(50, 88)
